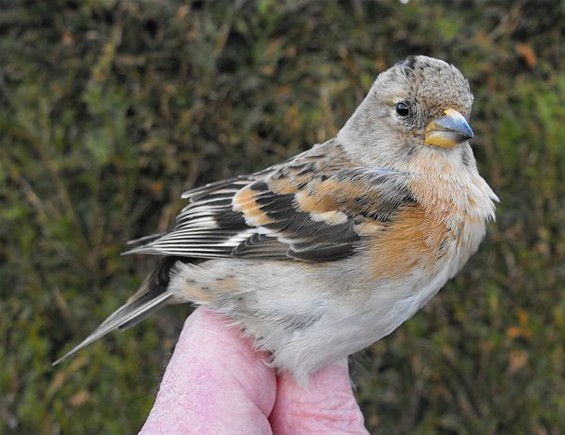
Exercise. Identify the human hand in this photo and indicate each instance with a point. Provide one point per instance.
(217, 383)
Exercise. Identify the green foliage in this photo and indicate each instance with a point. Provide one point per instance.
(109, 110)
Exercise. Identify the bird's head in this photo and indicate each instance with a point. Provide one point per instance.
(418, 108)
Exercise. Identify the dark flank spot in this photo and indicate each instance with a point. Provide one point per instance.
(231, 276)
(190, 281)
(218, 279)
(205, 288)
(323, 177)
(298, 322)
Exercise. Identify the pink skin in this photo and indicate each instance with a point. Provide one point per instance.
(217, 383)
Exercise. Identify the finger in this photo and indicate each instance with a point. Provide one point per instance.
(215, 382)
(325, 405)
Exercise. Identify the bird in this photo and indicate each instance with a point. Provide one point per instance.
(322, 255)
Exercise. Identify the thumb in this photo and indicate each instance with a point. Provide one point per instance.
(215, 383)
(325, 405)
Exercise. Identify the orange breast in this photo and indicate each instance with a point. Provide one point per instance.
(412, 239)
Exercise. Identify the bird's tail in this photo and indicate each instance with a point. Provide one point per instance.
(151, 296)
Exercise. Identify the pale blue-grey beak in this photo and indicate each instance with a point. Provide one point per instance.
(449, 130)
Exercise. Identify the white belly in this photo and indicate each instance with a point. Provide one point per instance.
(347, 328)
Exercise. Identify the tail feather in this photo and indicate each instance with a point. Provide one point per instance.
(128, 315)
(151, 296)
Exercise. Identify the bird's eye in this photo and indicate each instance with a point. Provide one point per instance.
(402, 108)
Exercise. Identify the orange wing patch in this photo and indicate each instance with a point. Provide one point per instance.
(370, 228)
(323, 203)
(313, 203)
(282, 185)
(245, 201)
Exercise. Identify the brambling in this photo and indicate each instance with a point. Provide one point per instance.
(320, 256)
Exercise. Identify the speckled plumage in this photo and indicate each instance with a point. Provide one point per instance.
(326, 253)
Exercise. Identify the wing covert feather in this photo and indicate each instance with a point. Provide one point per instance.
(315, 207)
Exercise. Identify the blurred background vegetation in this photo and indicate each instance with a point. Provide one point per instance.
(110, 109)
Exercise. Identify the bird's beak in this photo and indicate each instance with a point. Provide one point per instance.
(449, 130)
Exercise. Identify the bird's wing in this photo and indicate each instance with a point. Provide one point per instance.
(315, 207)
